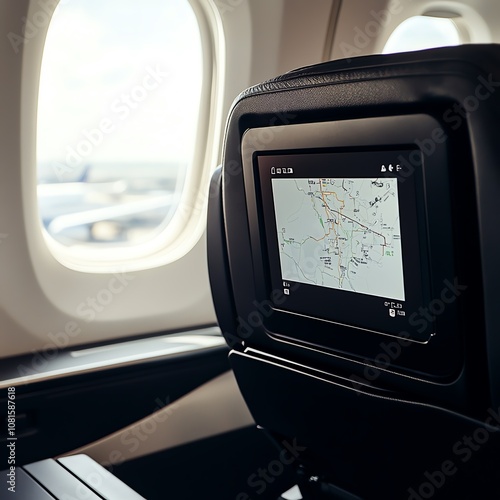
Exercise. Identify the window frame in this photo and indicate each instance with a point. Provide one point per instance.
(187, 224)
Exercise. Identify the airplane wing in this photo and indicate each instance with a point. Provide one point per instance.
(64, 222)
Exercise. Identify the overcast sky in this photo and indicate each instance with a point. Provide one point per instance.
(97, 53)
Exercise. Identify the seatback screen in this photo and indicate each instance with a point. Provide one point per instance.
(345, 237)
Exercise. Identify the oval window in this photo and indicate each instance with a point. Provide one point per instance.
(422, 32)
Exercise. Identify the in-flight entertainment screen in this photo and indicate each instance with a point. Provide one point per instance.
(345, 237)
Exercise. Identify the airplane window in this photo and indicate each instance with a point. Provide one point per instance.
(422, 32)
(117, 118)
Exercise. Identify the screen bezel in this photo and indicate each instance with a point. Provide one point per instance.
(441, 354)
(354, 310)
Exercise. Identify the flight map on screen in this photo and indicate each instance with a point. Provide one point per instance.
(340, 233)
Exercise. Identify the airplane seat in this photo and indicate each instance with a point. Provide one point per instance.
(353, 259)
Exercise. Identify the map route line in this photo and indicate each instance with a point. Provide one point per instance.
(347, 217)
